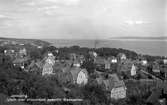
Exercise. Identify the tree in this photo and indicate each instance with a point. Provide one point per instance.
(89, 65)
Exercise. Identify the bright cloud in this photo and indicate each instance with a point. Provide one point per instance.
(66, 2)
(137, 22)
(3, 16)
(31, 3)
(80, 18)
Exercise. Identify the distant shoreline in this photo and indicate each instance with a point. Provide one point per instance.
(149, 47)
(119, 39)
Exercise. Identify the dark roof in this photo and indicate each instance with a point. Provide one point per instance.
(113, 82)
(75, 70)
(114, 77)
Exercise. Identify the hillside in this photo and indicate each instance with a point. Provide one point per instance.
(14, 41)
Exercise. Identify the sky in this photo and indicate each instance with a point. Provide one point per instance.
(82, 19)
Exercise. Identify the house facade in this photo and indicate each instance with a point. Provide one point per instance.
(133, 70)
(48, 66)
(115, 86)
(119, 92)
(165, 61)
(80, 76)
(47, 69)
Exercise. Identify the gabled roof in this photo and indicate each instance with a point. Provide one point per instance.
(113, 82)
(114, 77)
(119, 84)
(109, 84)
(75, 71)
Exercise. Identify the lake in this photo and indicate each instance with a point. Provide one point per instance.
(150, 47)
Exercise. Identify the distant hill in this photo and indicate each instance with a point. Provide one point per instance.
(35, 42)
(141, 38)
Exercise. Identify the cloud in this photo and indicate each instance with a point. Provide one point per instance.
(49, 10)
(137, 22)
(49, 7)
(65, 2)
(32, 3)
(3, 16)
(48, 2)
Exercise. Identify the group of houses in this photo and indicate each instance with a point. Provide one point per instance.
(69, 70)
(19, 57)
(113, 85)
(71, 67)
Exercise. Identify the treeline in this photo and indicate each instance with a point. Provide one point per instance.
(104, 52)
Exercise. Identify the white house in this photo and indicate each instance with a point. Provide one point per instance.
(48, 66)
(94, 54)
(123, 57)
(116, 87)
(80, 76)
(133, 70)
(76, 65)
(165, 61)
(144, 62)
(39, 47)
(21, 44)
(114, 60)
(47, 69)
(119, 90)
